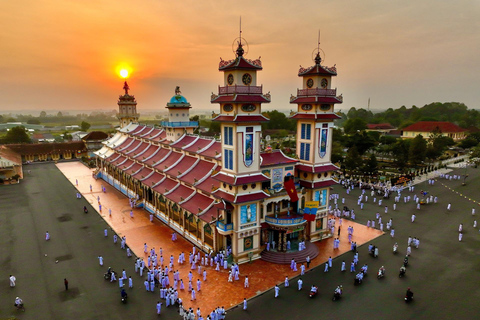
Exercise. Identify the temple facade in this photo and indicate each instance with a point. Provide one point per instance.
(229, 193)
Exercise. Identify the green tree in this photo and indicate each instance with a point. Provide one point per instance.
(468, 142)
(214, 127)
(43, 114)
(17, 135)
(85, 126)
(59, 114)
(353, 160)
(362, 142)
(354, 125)
(337, 152)
(475, 155)
(194, 118)
(417, 150)
(371, 165)
(400, 153)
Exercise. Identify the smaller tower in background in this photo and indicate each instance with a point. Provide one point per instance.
(178, 117)
(127, 108)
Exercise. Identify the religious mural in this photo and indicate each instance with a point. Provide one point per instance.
(248, 213)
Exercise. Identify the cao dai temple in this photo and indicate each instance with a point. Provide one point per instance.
(229, 192)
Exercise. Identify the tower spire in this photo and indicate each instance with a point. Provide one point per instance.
(318, 59)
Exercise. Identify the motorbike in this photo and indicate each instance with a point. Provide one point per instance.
(124, 296)
(409, 296)
(402, 272)
(85, 209)
(108, 275)
(337, 294)
(395, 249)
(405, 261)
(381, 273)
(313, 292)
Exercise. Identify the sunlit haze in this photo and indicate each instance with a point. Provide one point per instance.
(67, 55)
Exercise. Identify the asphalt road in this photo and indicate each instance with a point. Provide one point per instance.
(444, 274)
(45, 201)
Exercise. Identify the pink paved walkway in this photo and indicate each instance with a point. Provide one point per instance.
(262, 275)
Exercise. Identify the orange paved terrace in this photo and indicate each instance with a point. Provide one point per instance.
(262, 275)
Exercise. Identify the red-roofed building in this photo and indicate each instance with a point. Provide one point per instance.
(425, 128)
(228, 192)
(380, 127)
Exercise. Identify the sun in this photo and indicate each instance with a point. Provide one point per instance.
(124, 73)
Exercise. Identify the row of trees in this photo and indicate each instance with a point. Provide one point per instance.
(59, 118)
(403, 117)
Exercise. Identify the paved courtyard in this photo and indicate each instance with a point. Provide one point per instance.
(440, 271)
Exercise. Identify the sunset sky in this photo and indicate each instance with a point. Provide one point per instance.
(63, 54)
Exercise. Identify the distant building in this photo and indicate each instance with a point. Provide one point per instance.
(380, 127)
(78, 135)
(425, 128)
(10, 163)
(50, 151)
(93, 140)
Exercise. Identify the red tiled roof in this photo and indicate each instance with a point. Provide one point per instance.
(223, 195)
(208, 185)
(197, 203)
(241, 198)
(214, 151)
(258, 98)
(317, 70)
(239, 180)
(125, 165)
(316, 185)
(209, 216)
(429, 126)
(167, 184)
(151, 149)
(48, 148)
(135, 144)
(275, 157)
(183, 141)
(123, 145)
(151, 134)
(141, 148)
(168, 161)
(95, 136)
(145, 132)
(114, 156)
(316, 169)
(379, 126)
(202, 169)
(179, 194)
(136, 167)
(198, 145)
(181, 167)
(142, 173)
(315, 99)
(240, 63)
(118, 161)
(159, 137)
(153, 179)
(161, 154)
(313, 116)
(138, 129)
(222, 205)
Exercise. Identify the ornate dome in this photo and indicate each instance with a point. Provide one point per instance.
(178, 99)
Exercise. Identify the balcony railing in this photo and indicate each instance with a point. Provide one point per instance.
(179, 124)
(224, 226)
(284, 221)
(240, 90)
(316, 92)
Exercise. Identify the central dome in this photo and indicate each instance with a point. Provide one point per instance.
(178, 99)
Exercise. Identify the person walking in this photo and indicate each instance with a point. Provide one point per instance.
(65, 282)
(12, 281)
